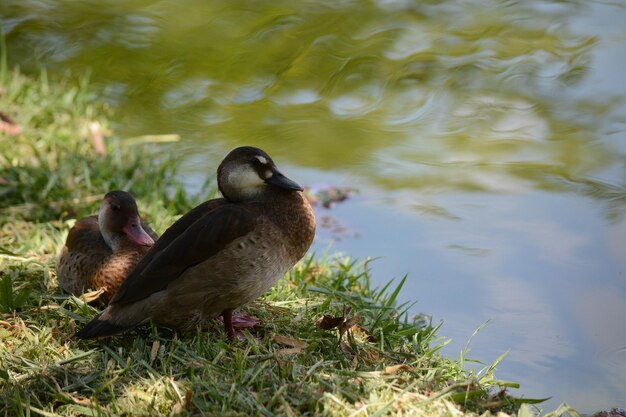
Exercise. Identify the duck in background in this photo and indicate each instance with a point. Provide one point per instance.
(101, 250)
(219, 256)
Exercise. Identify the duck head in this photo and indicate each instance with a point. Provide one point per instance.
(248, 174)
(118, 218)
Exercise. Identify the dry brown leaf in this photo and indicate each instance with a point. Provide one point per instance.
(6, 324)
(8, 126)
(92, 295)
(188, 398)
(289, 351)
(289, 341)
(155, 350)
(395, 368)
(328, 322)
(348, 323)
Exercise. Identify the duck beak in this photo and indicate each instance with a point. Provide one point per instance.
(279, 180)
(134, 230)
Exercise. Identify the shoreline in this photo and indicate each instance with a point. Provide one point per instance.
(56, 166)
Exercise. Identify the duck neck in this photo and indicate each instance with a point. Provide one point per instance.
(113, 240)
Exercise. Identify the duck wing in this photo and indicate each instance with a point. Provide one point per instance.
(179, 226)
(194, 238)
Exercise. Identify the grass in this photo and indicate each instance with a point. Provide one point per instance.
(329, 345)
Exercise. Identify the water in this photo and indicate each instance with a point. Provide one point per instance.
(486, 138)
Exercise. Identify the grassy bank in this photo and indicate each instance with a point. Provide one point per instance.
(330, 344)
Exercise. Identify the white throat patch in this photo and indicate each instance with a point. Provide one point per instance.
(245, 180)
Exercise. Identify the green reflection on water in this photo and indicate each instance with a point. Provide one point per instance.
(436, 95)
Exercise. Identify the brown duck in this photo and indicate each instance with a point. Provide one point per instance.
(219, 256)
(101, 250)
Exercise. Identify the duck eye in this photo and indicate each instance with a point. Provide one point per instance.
(115, 207)
(259, 160)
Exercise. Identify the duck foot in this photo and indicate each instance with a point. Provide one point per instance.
(235, 323)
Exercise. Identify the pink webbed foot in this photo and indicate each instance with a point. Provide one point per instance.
(233, 324)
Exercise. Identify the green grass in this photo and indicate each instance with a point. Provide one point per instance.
(377, 362)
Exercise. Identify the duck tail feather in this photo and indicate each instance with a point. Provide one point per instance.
(100, 328)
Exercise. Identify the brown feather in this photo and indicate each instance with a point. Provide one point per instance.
(100, 251)
(211, 231)
(87, 262)
(221, 255)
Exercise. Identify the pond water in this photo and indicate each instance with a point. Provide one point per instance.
(486, 139)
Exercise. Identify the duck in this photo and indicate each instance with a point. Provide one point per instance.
(221, 255)
(101, 250)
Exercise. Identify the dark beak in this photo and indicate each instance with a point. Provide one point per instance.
(279, 180)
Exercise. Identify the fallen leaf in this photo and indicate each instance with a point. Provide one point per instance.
(155, 350)
(328, 322)
(289, 351)
(288, 341)
(8, 126)
(395, 368)
(188, 397)
(92, 295)
(348, 324)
